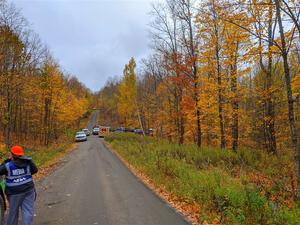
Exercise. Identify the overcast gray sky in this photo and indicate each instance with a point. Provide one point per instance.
(92, 39)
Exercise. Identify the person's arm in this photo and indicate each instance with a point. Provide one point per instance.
(33, 167)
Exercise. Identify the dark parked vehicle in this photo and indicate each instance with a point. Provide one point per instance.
(96, 131)
(120, 129)
(138, 131)
(129, 130)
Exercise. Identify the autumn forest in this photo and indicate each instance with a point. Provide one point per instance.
(223, 74)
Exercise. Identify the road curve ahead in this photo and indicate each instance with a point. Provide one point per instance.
(93, 187)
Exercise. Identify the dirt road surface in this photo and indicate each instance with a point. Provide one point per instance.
(92, 186)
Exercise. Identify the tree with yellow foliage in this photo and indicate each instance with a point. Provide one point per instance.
(127, 98)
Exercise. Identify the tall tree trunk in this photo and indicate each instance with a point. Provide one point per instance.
(139, 117)
(178, 100)
(234, 102)
(8, 123)
(270, 112)
(219, 79)
(46, 120)
(199, 130)
(220, 107)
(194, 56)
(180, 118)
(294, 137)
(8, 118)
(220, 100)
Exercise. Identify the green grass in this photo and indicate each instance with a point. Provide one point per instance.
(248, 187)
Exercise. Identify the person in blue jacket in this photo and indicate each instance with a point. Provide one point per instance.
(20, 190)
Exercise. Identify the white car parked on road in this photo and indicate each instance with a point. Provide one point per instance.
(80, 136)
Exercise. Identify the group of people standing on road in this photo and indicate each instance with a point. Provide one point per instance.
(20, 191)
